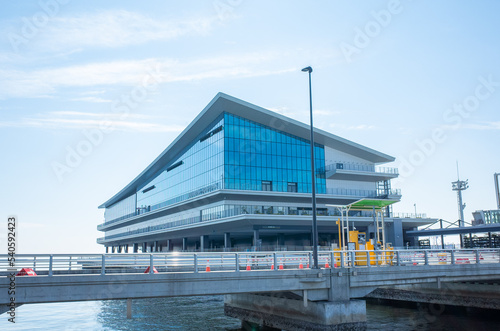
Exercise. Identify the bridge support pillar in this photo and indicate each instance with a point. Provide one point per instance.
(126, 248)
(184, 244)
(107, 249)
(283, 312)
(144, 247)
(129, 308)
(136, 248)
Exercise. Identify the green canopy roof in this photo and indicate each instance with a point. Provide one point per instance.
(367, 203)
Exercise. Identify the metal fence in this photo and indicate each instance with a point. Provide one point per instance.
(73, 264)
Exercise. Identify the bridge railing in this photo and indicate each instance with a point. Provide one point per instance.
(100, 264)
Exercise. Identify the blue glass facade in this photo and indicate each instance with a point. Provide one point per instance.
(232, 153)
(257, 157)
(197, 171)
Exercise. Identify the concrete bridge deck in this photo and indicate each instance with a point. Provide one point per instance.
(351, 274)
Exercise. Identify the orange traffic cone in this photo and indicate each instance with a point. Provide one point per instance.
(207, 269)
(248, 266)
(301, 266)
(272, 266)
(327, 265)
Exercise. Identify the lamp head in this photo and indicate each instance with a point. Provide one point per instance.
(307, 69)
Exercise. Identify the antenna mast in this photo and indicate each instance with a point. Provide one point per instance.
(459, 186)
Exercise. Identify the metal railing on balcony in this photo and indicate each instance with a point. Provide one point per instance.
(409, 215)
(361, 167)
(362, 193)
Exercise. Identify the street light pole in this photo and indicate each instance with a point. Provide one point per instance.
(313, 179)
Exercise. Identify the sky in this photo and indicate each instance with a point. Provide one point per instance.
(92, 92)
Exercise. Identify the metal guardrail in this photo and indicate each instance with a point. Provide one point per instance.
(361, 167)
(101, 264)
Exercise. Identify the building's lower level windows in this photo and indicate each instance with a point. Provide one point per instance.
(292, 187)
(267, 185)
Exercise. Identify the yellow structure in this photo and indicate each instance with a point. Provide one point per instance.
(377, 249)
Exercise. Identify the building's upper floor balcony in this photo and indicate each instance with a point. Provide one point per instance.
(359, 172)
(389, 194)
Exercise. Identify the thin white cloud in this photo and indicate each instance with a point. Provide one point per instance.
(324, 112)
(483, 126)
(81, 120)
(111, 29)
(91, 99)
(352, 127)
(46, 82)
(68, 113)
(302, 114)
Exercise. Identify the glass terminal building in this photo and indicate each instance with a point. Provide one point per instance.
(239, 177)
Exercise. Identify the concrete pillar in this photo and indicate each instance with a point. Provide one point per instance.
(119, 250)
(112, 249)
(280, 312)
(168, 245)
(144, 247)
(129, 308)
(203, 243)
(227, 241)
(184, 244)
(136, 248)
(126, 248)
(156, 246)
(107, 249)
(256, 238)
(151, 247)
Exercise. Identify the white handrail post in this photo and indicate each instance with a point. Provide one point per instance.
(275, 264)
(103, 265)
(237, 262)
(352, 257)
(341, 259)
(332, 260)
(195, 263)
(398, 259)
(50, 265)
(70, 263)
(477, 256)
(368, 262)
(151, 264)
(452, 256)
(426, 258)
